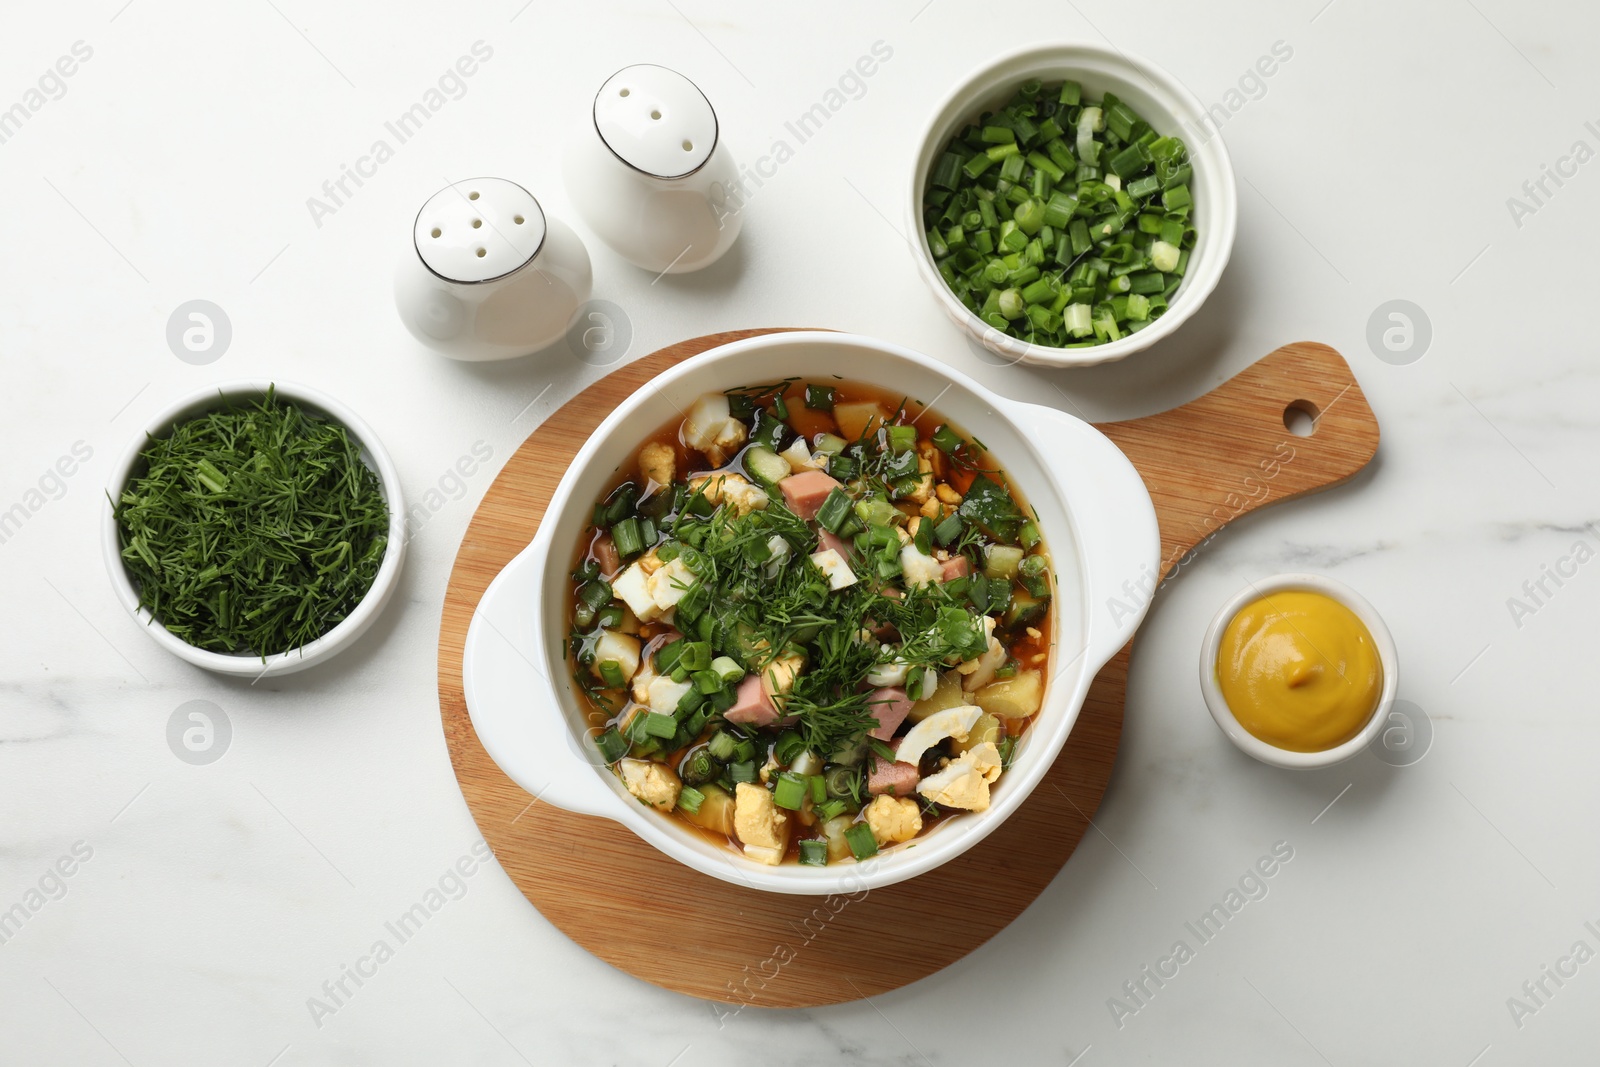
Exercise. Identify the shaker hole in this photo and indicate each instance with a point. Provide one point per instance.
(477, 223)
(437, 232)
(472, 196)
(623, 92)
(655, 114)
(688, 146)
(1300, 418)
(482, 252)
(517, 219)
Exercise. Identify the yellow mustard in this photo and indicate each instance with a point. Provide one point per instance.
(1299, 670)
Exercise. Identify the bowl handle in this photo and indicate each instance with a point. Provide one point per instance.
(1112, 518)
(515, 704)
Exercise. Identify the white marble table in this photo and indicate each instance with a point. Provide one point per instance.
(207, 905)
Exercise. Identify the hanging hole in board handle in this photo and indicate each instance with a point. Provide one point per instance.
(1300, 418)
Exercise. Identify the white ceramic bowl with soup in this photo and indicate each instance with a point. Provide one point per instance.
(1092, 509)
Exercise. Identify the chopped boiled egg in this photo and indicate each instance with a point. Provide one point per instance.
(668, 584)
(664, 694)
(919, 568)
(893, 819)
(712, 429)
(777, 677)
(964, 781)
(952, 722)
(759, 825)
(890, 673)
(732, 489)
(834, 568)
(651, 782)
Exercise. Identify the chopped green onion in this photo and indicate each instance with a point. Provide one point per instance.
(789, 791)
(612, 745)
(841, 781)
(1080, 184)
(611, 674)
(946, 172)
(659, 725)
(820, 397)
(862, 844)
(814, 852)
(668, 654)
(627, 536)
(788, 746)
(948, 529)
(690, 799)
(744, 771)
(835, 509)
(701, 766)
(722, 745)
(695, 655)
(832, 809)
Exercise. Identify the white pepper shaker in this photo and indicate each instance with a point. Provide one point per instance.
(649, 173)
(488, 275)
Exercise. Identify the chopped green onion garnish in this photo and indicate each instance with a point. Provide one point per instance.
(813, 853)
(789, 791)
(948, 529)
(611, 674)
(658, 725)
(667, 655)
(862, 843)
(834, 511)
(788, 746)
(819, 397)
(690, 799)
(612, 745)
(628, 538)
(722, 745)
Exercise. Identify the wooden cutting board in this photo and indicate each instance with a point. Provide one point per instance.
(1206, 463)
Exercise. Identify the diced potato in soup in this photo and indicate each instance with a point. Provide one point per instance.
(1017, 697)
(789, 587)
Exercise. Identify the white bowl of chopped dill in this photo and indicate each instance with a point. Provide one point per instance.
(857, 660)
(1073, 204)
(254, 528)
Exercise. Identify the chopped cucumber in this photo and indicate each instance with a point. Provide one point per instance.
(830, 442)
(765, 465)
(1026, 609)
(1001, 561)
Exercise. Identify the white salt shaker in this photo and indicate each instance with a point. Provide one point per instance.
(489, 275)
(648, 172)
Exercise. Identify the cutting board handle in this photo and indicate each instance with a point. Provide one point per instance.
(1239, 452)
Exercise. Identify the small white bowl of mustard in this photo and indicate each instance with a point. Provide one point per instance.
(1299, 671)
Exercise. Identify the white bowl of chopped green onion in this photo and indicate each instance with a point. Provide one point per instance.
(1072, 205)
(254, 528)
